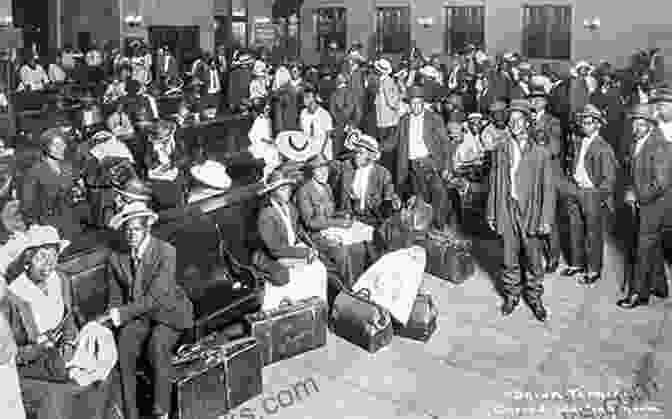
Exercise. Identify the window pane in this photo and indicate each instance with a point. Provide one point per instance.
(331, 25)
(547, 32)
(393, 33)
(464, 25)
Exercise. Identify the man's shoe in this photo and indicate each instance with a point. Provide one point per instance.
(589, 278)
(538, 310)
(571, 271)
(510, 304)
(664, 293)
(632, 301)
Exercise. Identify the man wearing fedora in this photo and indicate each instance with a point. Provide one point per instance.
(145, 305)
(387, 104)
(422, 156)
(521, 210)
(588, 192)
(648, 191)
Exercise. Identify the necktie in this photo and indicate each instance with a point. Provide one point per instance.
(134, 262)
(312, 129)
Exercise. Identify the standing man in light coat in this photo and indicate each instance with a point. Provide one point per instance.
(388, 102)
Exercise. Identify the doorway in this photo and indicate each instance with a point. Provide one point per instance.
(32, 16)
(183, 41)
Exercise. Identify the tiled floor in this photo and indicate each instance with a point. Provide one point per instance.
(478, 363)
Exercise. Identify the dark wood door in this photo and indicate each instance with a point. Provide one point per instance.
(183, 41)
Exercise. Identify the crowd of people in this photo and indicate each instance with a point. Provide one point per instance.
(346, 145)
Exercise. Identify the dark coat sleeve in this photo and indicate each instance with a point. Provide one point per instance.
(662, 179)
(312, 216)
(274, 241)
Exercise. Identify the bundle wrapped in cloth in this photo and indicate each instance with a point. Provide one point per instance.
(357, 233)
(95, 356)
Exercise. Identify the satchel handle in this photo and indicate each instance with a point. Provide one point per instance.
(285, 302)
(364, 292)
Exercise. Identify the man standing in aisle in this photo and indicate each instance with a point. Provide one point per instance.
(521, 209)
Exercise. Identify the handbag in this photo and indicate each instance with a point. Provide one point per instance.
(360, 321)
(422, 323)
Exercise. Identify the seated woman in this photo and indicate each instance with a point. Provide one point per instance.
(365, 188)
(317, 209)
(294, 268)
(44, 321)
(51, 190)
(166, 161)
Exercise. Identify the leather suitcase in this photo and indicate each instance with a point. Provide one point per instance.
(360, 321)
(289, 330)
(449, 257)
(214, 377)
(422, 323)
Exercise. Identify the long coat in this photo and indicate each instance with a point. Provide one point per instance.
(153, 291)
(285, 109)
(435, 137)
(601, 166)
(534, 185)
(552, 129)
(650, 172)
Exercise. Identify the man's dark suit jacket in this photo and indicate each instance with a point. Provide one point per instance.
(435, 137)
(650, 174)
(153, 292)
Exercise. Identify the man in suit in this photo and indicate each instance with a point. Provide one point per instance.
(648, 193)
(548, 132)
(589, 195)
(146, 306)
(484, 95)
(422, 155)
(521, 210)
(166, 65)
(346, 110)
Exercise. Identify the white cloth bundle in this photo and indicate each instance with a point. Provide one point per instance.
(305, 281)
(357, 233)
(394, 280)
(11, 403)
(111, 148)
(95, 356)
(164, 174)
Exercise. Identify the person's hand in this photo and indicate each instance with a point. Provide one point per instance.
(630, 198)
(491, 225)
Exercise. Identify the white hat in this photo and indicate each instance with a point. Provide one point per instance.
(383, 66)
(243, 59)
(212, 174)
(44, 235)
(259, 68)
(133, 210)
(579, 65)
(431, 72)
(475, 115)
(297, 146)
(356, 140)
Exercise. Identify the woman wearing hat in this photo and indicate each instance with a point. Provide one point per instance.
(317, 209)
(166, 161)
(43, 321)
(287, 255)
(648, 177)
(589, 195)
(521, 209)
(50, 190)
(365, 188)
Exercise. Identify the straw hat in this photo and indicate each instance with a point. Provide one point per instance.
(44, 235)
(259, 69)
(135, 189)
(643, 111)
(520, 105)
(591, 111)
(358, 141)
(275, 180)
(131, 211)
(474, 115)
(581, 65)
(383, 66)
(212, 174)
(297, 146)
(497, 106)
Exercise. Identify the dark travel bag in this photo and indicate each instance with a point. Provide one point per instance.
(360, 321)
(213, 377)
(448, 257)
(290, 329)
(421, 324)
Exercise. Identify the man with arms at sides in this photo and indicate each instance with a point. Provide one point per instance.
(423, 156)
(146, 305)
(649, 182)
(521, 209)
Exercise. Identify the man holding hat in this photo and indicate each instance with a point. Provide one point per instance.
(589, 195)
(521, 209)
(648, 193)
(145, 305)
(422, 154)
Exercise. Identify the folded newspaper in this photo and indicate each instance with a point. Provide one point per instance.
(357, 233)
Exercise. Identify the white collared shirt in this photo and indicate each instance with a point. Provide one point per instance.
(317, 125)
(417, 149)
(666, 129)
(516, 158)
(580, 173)
(214, 81)
(639, 144)
(283, 210)
(47, 308)
(360, 184)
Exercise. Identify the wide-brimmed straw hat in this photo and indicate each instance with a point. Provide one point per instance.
(275, 180)
(643, 111)
(581, 65)
(356, 140)
(212, 174)
(297, 146)
(497, 106)
(520, 105)
(44, 235)
(134, 189)
(591, 111)
(259, 69)
(131, 211)
(382, 65)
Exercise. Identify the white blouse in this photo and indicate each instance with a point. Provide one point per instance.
(47, 308)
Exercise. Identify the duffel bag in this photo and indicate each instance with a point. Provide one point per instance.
(360, 321)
